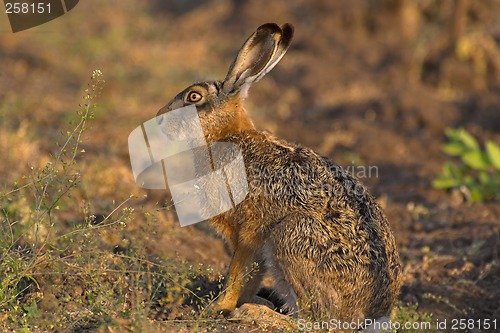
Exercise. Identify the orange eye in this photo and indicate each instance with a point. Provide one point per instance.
(194, 97)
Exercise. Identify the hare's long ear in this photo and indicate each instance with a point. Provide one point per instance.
(260, 53)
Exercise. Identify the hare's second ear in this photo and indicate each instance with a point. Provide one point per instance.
(260, 53)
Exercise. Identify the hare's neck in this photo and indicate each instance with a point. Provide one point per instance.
(244, 123)
(239, 123)
(231, 120)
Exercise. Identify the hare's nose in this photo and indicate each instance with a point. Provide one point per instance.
(161, 113)
(159, 119)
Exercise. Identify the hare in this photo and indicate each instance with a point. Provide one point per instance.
(307, 221)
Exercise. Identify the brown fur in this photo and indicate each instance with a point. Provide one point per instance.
(307, 221)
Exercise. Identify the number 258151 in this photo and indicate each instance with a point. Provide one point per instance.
(27, 8)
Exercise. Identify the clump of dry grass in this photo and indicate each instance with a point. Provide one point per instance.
(57, 270)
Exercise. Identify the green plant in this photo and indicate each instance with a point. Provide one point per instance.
(410, 319)
(57, 271)
(472, 169)
(33, 245)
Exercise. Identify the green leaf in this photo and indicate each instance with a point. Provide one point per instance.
(493, 152)
(452, 134)
(475, 159)
(476, 194)
(31, 310)
(453, 148)
(444, 183)
(468, 140)
(450, 170)
(484, 178)
(469, 181)
(447, 169)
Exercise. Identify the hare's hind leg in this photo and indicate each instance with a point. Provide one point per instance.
(297, 253)
(282, 287)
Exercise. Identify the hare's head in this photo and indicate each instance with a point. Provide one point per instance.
(219, 103)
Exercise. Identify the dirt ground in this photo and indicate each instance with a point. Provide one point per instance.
(371, 84)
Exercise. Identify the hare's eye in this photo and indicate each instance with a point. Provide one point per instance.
(194, 97)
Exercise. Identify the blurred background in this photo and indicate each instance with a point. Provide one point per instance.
(367, 83)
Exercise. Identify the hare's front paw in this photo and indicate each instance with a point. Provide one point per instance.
(224, 308)
(220, 307)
